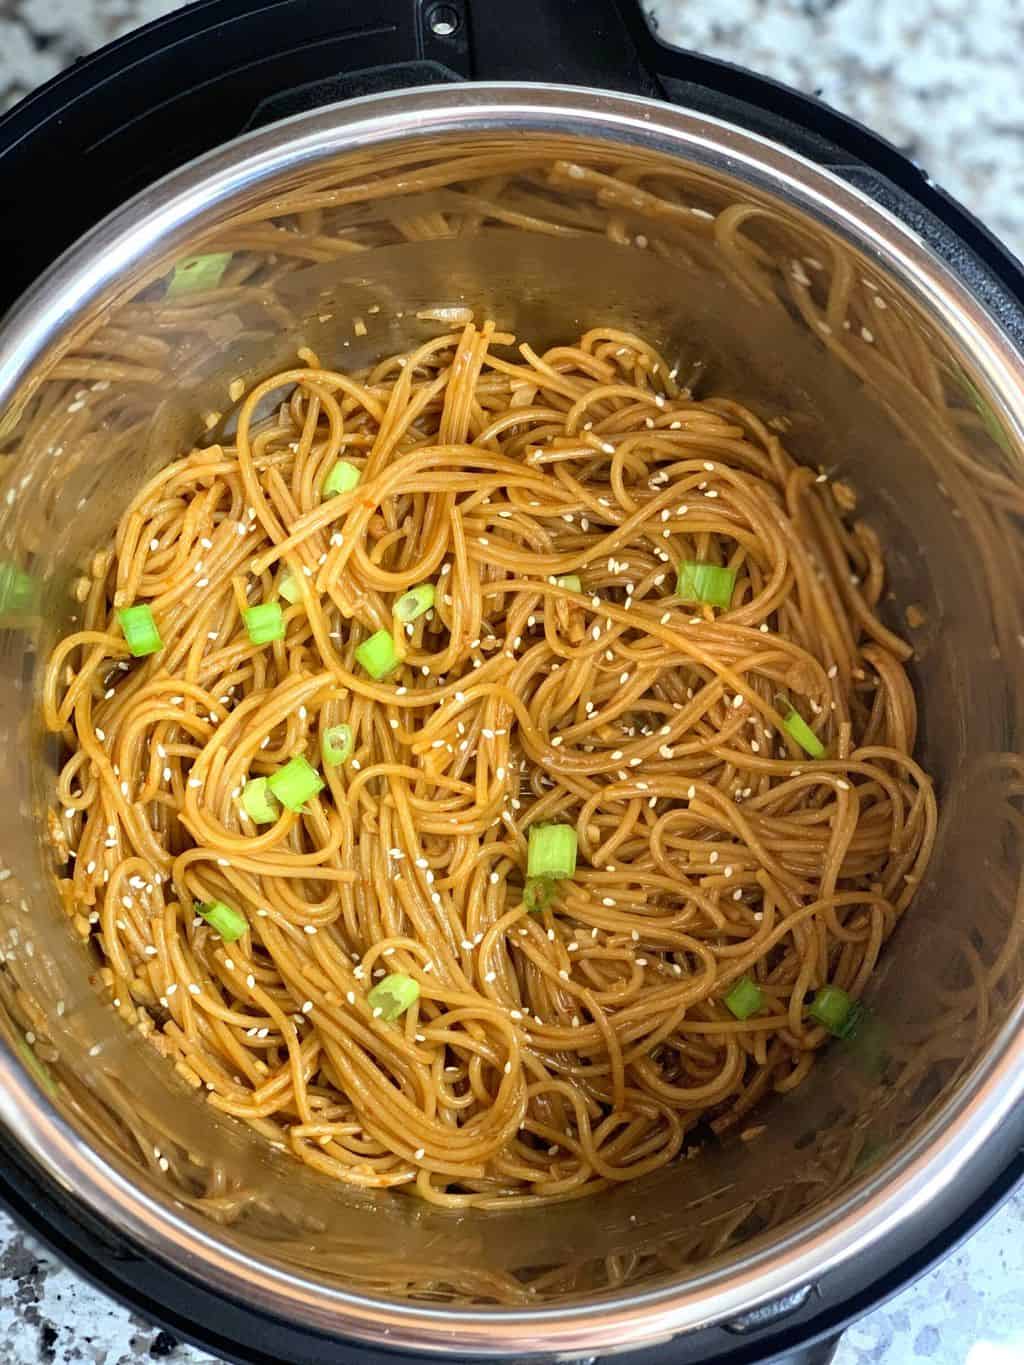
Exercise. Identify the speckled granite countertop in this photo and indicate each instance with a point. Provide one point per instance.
(941, 78)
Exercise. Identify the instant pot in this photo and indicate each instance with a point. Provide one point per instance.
(552, 166)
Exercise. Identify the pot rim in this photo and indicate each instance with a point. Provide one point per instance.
(947, 1151)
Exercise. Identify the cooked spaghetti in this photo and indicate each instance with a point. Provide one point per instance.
(607, 804)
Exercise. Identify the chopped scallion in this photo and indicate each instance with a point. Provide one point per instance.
(295, 783)
(745, 998)
(989, 419)
(834, 1009)
(228, 922)
(570, 581)
(414, 603)
(289, 588)
(17, 589)
(39, 1069)
(341, 478)
(139, 630)
(259, 802)
(538, 893)
(336, 744)
(378, 655)
(706, 583)
(551, 851)
(393, 995)
(798, 729)
(264, 622)
(198, 272)
(869, 1154)
(868, 1042)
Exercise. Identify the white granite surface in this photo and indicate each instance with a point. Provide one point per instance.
(942, 79)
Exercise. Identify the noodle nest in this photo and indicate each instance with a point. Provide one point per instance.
(548, 1054)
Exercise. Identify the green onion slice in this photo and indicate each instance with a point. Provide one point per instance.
(378, 655)
(872, 1150)
(17, 589)
(989, 420)
(414, 603)
(393, 995)
(833, 1008)
(551, 851)
(198, 272)
(868, 1042)
(797, 728)
(538, 893)
(38, 1068)
(259, 802)
(139, 629)
(745, 998)
(336, 745)
(228, 923)
(289, 587)
(569, 581)
(341, 478)
(265, 623)
(295, 783)
(702, 582)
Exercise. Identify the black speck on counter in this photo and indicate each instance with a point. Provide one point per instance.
(162, 1345)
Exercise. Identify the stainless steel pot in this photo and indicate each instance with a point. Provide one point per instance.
(763, 276)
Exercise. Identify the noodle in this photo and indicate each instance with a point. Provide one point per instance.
(549, 1054)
